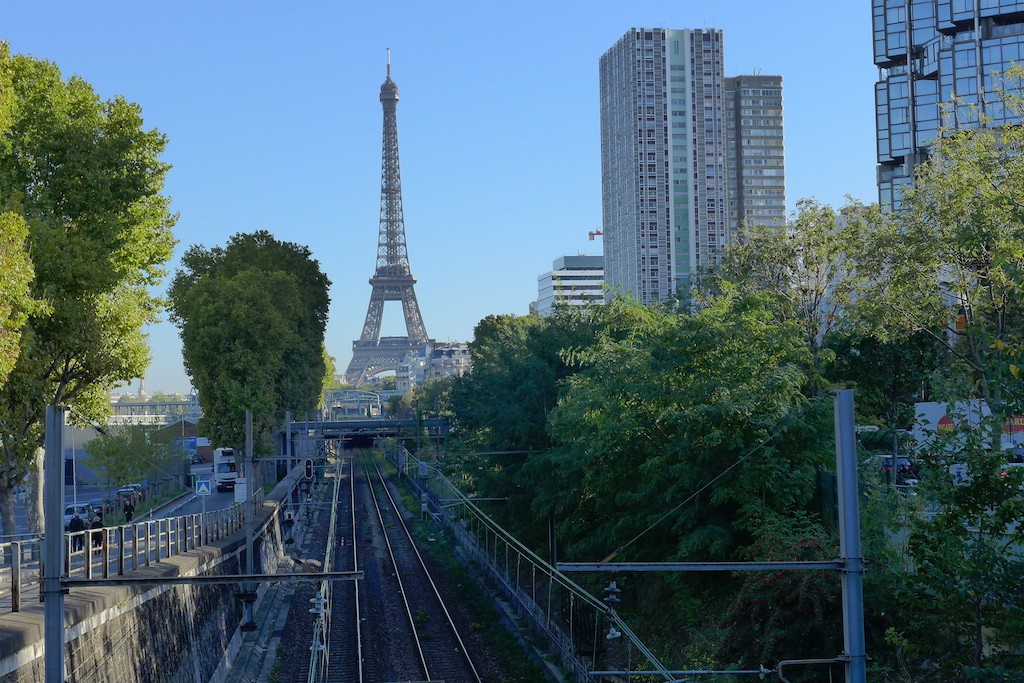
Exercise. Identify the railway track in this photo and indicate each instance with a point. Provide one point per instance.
(344, 635)
(430, 633)
(331, 610)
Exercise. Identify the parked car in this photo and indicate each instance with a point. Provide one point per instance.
(134, 491)
(906, 471)
(83, 510)
(98, 507)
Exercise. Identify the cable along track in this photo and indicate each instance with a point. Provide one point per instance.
(335, 651)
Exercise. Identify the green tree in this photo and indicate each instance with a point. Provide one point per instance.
(809, 266)
(519, 363)
(331, 379)
(949, 263)
(88, 182)
(127, 454)
(640, 407)
(251, 317)
(15, 263)
(652, 416)
(16, 300)
(889, 374)
(777, 615)
(961, 608)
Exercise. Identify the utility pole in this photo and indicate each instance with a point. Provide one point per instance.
(849, 537)
(249, 595)
(288, 439)
(53, 546)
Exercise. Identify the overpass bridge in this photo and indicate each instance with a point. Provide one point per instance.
(379, 426)
(361, 431)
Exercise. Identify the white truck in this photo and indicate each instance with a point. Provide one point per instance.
(938, 419)
(935, 419)
(224, 469)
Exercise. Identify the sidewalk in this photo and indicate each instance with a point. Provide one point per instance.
(170, 507)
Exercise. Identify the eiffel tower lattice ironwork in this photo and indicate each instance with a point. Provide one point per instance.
(392, 280)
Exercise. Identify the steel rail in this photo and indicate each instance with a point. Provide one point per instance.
(398, 574)
(355, 566)
(430, 580)
(319, 652)
(211, 580)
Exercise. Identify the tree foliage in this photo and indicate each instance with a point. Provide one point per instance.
(652, 416)
(16, 274)
(609, 420)
(127, 454)
(784, 614)
(949, 264)
(502, 407)
(809, 266)
(16, 271)
(889, 374)
(85, 177)
(251, 317)
(626, 416)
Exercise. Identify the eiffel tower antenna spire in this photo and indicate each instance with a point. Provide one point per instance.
(392, 280)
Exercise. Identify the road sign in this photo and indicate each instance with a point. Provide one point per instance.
(203, 487)
(187, 444)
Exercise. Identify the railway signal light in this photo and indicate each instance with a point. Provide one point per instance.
(309, 468)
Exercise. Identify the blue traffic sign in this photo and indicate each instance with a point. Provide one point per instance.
(203, 487)
(187, 444)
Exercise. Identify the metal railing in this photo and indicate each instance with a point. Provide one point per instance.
(110, 551)
(319, 651)
(581, 629)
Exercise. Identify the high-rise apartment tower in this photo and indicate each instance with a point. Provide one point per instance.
(929, 54)
(672, 196)
(755, 158)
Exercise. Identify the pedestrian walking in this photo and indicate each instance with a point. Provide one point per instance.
(76, 526)
(129, 510)
(97, 536)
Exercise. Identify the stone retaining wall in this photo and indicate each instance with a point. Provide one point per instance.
(163, 634)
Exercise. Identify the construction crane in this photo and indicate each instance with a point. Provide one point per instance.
(594, 233)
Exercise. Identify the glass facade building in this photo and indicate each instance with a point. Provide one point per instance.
(939, 66)
(678, 140)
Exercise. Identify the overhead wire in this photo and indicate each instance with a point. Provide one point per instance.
(784, 424)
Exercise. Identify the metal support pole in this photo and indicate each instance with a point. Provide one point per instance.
(53, 546)
(849, 537)
(16, 576)
(288, 439)
(248, 620)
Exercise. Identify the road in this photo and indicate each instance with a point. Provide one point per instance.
(195, 504)
(191, 504)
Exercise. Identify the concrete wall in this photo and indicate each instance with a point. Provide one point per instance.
(165, 634)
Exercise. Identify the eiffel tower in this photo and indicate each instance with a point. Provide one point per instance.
(393, 280)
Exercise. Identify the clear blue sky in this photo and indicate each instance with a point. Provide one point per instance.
(273, 119)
